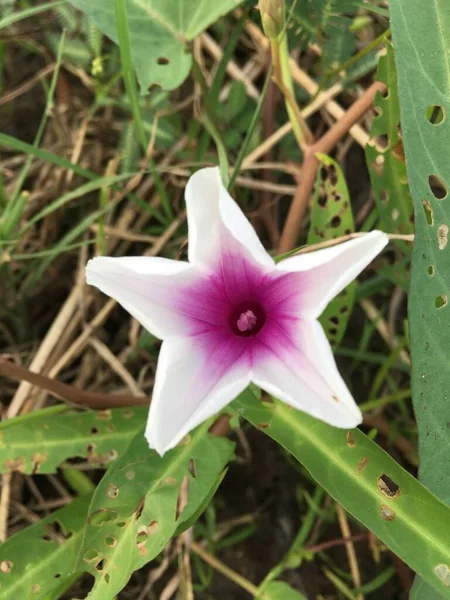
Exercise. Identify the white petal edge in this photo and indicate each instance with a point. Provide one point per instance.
(178, 405)
(331, 269)
(209, 205)
(298, 388)
(129, 281)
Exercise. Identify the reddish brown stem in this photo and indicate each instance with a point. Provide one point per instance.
(310, 164)
(358, 537)
(69, 392)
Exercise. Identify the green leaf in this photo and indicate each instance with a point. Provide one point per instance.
(421, 34)
(387, 168)
(159, 33)
(279, 590)
(134, 511)
(41, 441)
(38, 559)
(368, 483)
(332, 217)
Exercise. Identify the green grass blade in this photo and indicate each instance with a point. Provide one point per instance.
(250, 130)
(29, 12)
(42, 124)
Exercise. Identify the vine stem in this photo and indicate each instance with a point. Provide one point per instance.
(69, 392)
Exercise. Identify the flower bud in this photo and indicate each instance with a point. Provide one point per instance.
(272, 17)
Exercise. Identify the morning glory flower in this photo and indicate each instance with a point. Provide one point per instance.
(230, 316)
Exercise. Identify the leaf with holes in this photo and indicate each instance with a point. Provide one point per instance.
(368, 483)
(141, 501)
(160, 31)
(51, 546)
(332, 217)
(421, 34)
(41, 441)
(385, 156)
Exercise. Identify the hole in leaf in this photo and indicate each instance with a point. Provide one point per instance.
(6, 566)
(388, 487)
(152, 528)
(57, 575)
(435, 114)
(107, 577)
(442, 236)
(387, 513)
(162, 60)
(334, 320)
(90, 555)
(102, 516)
(104, 415)
(441, 300)
(384, 196)
(121, 524)
(263, 425)
(438, 187)
(112, 491)
(337, 197)
(100, 565)
(335, 221)
(431, 270)
(322, 200)
(94, 430)
(191, 468)
(443, 573)
(110, 541)
(362, 465)
(183, 496)
(333, 331)
(350, 437)
(142, 536)
(139, 508)
(112, 455)
(427, 209)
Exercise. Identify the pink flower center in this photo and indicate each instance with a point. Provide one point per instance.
(247, 319)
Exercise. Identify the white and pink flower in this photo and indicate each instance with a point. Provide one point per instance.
(231, 316)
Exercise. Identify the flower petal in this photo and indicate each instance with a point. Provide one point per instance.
(196, 377)
(302, 372)
(213, 214)
(149, 288)
(321, 275)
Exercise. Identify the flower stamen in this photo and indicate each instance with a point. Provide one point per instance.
(246, 321)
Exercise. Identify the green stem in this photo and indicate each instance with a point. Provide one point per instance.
(283, 78)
